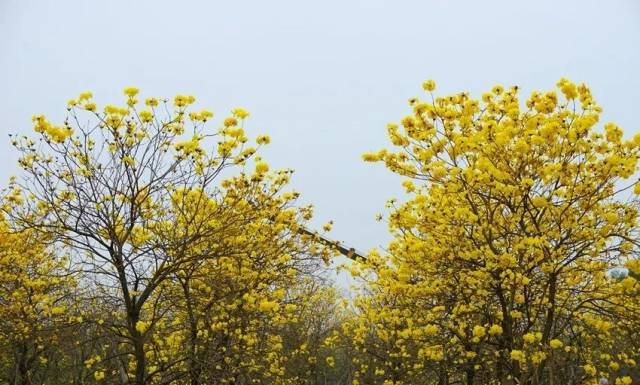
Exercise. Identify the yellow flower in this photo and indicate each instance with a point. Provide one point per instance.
(479, 331)
(518, 355)
(568, 88)
(515, 314)
(142, 326)
(206, 114)
(538, 357)
(131, 91)
(429, 85)
(98, 375)
(85, 96)
(230, 122)
(183, 100)
(626, 380)
(495, 330)
(262, 167)
(268, 306)
(556, 344)
(370, 157)
(241, 113)
(263, 139)
(146, 116)
(529, 338)
(408, 185)
(589, 370)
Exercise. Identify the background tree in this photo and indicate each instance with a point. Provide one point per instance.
(35, 305)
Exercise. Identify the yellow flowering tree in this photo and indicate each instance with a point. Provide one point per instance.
(135, 193)
(311, 342)
(35, 306)
(500, 270)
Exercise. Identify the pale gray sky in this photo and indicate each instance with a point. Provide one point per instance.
(321, 77)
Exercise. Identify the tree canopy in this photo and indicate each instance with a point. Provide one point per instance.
(140, 246)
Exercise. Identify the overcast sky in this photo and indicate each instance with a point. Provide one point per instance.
(321, 77)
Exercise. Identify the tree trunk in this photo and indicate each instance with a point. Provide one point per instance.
(22, 375)
(141, 360)
(470, 374)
